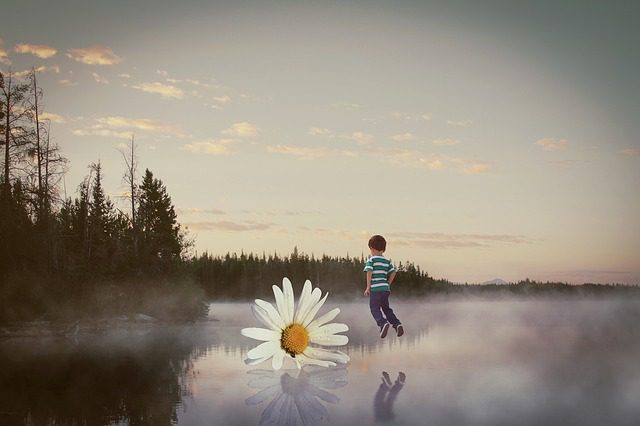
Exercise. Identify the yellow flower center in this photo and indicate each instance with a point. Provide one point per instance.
(295, 339)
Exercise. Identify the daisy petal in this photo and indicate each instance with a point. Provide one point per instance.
(277, 360)
(260, 334)
(323, 319)
(271, 312)
(303, 303)
(264, 350)
(329, 329)
(255, 361)
(323, 394)
(316, 294)
(314, 310)
(323, 354)
(264, 395)
(330, 340)
(312, 361)
(262, 316)
(280, 304)
(289, 299)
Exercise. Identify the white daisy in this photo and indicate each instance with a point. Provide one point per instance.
(290, 330)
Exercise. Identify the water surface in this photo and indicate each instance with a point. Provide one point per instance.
(459, 362)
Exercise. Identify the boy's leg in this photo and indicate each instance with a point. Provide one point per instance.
(374, 305)
(388, 312)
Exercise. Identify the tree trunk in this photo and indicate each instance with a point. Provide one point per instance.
(38, 147)
(7, 137)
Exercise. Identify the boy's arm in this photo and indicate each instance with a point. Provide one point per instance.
(368, 289)
(392, 276)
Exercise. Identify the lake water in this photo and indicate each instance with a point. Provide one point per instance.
(460, 362)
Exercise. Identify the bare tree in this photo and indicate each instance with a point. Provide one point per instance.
(38, 146)
(131, 162)
(15, 124)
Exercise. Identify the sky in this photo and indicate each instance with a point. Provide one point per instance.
(482, 139)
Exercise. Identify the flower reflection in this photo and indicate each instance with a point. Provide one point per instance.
(296, 393)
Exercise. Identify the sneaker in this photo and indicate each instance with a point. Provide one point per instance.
(401, 378)
(399, 330)
(383, 330)
(386, 379)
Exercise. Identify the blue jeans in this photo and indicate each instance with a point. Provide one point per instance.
(379, 301)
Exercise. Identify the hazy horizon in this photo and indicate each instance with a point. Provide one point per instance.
(484, 140)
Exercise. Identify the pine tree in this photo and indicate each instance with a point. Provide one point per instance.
(101, 218)
(161, 237)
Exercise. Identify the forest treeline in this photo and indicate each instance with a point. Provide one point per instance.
(247, 276)
(61, 255)
(67, 256)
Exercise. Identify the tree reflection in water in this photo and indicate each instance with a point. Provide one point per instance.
(294, 393)
(101, 380)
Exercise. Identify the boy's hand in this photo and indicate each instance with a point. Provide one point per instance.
(367, 291)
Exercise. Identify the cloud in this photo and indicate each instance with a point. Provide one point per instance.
(40, 69)
(360, 138)
(163, 73)
(434, 240)
(272, 213)
(125, 76)
(66, 82)
(205, 85)
(222, 99)
(226, 225)
(317, 131)
(242, 129)
(631, 152)
(472, 167)
(124, 127)
(101, 132)
(445, 141)
(95, 55)
(164, 90)
(144, 124)
(347, 106)
(465, 123)
(441, 240)
(39, 50)
(187, 211)
(211, 146)
(54, 118)
(398, 157)
(301, 152)
(99, 79)
(402, 137)
(411, 158)
(431, 161)
(552, 144)
(411, 117)
(4, 55)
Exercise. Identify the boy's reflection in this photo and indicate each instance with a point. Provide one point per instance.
(386, 395)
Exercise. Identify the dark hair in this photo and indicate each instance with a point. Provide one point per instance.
(378, 242)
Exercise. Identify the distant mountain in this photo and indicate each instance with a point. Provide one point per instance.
(499, 281)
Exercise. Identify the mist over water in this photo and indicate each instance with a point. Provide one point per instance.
(524, 362)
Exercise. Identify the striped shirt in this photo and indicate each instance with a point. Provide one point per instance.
(382, 268)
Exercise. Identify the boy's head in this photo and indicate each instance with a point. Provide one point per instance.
(378, 243)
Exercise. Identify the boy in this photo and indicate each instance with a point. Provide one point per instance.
(380, 275)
